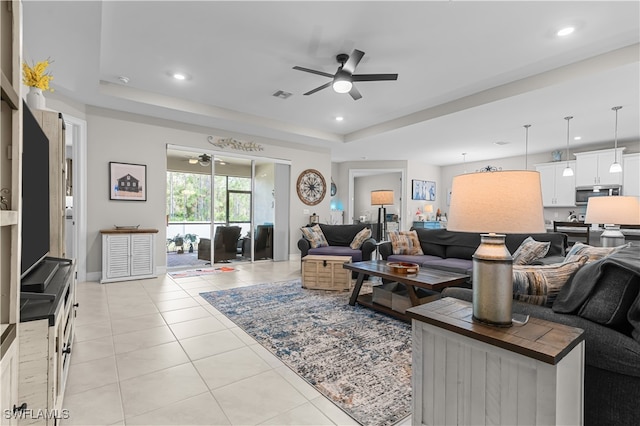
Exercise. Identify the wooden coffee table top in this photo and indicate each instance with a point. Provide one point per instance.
(538, 339)
(432, 279)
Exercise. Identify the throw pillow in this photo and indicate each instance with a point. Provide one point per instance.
(611, 299)
(594, 253)
(315, 236)
(540, 284)
(360, 238)
(529, 251)
(405, 242)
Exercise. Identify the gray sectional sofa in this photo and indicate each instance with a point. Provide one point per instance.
(453, 251)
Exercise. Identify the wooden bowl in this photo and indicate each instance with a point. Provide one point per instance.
(405, 268)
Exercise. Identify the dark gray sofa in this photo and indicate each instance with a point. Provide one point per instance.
(339, 238)
(453, 251)
(598, 292)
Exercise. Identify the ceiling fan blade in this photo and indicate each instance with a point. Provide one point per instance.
(324, 86)
(322, 73)
(355, 94)
(374, 77)
(353, 61)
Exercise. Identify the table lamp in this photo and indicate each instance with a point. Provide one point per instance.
(612, 212)
(494, 204)
(381, 197)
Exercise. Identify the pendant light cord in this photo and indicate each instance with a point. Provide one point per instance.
(615, 151)
(526, 147)
(568, 118)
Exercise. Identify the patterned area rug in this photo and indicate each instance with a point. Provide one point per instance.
(201, 271)
(359, 359)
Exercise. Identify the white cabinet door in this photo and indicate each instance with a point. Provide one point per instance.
(565, 186)
(117, 254)
(605, 160)
(141, 254)
(548, 183)
(557, 190)
(631, 175)
(9, 384)
(586, 169)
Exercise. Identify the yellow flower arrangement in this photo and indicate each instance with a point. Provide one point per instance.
(37, 76)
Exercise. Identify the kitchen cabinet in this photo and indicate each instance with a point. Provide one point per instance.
(631, 174)
(128, 254)
(557, 190)
(592, 168)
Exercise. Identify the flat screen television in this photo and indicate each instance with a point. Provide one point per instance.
(35, 195)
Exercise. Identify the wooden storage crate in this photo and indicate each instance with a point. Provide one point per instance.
(321, 272)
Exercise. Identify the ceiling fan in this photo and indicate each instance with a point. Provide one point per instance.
(204, 160)
(343, 79)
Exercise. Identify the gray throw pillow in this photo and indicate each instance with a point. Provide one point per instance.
(611, 299)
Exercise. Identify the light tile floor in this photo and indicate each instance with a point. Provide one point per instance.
(153, 352)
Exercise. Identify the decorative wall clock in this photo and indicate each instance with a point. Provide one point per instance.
(311, 187)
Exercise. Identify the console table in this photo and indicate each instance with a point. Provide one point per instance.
(465, 372)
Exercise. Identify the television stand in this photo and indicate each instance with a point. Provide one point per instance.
(38, 279)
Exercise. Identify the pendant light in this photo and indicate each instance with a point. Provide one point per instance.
(526, 146)
(568, 171)
(616, 167)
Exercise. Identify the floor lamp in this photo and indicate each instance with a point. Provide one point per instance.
(381, 197)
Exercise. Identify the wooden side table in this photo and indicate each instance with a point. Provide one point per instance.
(465, 372)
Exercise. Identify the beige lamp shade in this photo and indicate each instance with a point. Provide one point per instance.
(382, 197)
(616, 210)
(503, 202)
(428, 208)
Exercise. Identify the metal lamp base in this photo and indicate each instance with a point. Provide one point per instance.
(493, 281)
(612, 236)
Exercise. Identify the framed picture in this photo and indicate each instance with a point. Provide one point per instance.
(127, 182)
(423, 190)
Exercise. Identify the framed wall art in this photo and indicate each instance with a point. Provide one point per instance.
(423, 190)
(127, 182)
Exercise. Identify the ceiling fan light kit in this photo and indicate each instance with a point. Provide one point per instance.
(342, 80)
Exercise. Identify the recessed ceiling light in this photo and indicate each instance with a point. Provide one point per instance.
(565, 31)
(577, 138)
(339, 118)
(123, 79)
(179, 76)
(501, 143)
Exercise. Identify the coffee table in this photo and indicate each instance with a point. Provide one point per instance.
(427, 278)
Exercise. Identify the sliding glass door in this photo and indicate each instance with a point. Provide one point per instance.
(229, 204)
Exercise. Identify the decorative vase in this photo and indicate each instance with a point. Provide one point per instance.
(35, 98)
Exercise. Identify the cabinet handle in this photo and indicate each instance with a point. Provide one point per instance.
(20, 408)
(75, 305)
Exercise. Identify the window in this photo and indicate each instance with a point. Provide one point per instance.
(188, 197)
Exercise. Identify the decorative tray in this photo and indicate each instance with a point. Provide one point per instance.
(127, 226)
(403, 267)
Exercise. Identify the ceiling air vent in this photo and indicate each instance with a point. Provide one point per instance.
(282, 94)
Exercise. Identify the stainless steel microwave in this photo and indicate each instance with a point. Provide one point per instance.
(583, 193)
